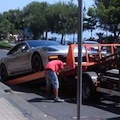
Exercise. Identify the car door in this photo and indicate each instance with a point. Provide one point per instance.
(11, 60)
(23, 60)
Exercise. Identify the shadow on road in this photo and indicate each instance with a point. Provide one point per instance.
(107, 103)
(116, 118)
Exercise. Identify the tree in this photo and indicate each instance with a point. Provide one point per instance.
(108, 15)
(5, 27)
(15, 17)
(35, 18)
(90, 22)
(62, 18)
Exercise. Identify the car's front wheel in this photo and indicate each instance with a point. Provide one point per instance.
(36, 63)
(3, 73)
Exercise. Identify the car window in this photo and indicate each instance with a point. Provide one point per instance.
(18, 48)
(12, 51)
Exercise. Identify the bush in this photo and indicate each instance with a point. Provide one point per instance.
(5, 45)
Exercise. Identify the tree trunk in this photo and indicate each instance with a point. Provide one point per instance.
(46, 35)
(91, 34)
(62, 39)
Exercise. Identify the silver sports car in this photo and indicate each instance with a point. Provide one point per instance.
(31, 55)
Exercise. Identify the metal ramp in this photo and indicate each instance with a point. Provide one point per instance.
(26, 78)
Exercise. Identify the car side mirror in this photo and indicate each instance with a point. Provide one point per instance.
(24, 49)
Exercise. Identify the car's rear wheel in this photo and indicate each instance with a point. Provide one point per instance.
(36, 63)
(3, 73)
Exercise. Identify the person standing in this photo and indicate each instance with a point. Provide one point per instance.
(52, 69)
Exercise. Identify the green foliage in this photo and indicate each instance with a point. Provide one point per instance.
(62, 18)
(35, 18)
(108, 15)
(15, 17)
(90, 22)
(4, 44)
(5, 26)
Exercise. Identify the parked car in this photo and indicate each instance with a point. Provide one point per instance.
(92, 49)
(31, 55)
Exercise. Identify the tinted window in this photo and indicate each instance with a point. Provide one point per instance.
(13, 50)
(18, 48)
(36, 43)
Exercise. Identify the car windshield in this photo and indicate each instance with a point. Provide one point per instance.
(36, 43)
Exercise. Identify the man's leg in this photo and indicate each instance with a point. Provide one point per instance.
(56, 91)
(48, 90)
(55, 83)
(48, 83)
(56, 98)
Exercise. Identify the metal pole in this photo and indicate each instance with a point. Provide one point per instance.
(79, 81)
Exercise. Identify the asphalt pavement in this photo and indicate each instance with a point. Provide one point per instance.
(14, 107)
(21, 106)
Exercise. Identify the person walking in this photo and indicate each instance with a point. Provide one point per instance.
(52, 69)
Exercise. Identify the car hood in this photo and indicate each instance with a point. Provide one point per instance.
(62, 48)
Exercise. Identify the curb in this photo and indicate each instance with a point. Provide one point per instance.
(5, 87)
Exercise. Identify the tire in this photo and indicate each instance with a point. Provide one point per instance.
(36, 63)
(88, 89)
(3, 73)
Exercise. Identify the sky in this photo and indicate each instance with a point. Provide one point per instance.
(6, 5)
(15, 4)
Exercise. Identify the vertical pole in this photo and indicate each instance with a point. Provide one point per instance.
(79, 81)
(118, 64)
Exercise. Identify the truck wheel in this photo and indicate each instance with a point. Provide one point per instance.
(88, 89)
(3, 73)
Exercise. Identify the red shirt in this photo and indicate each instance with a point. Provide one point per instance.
(55, 65)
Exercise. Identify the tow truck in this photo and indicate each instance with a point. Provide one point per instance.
(99, 76)
(103, 76)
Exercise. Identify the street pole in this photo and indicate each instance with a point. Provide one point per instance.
(79, 80)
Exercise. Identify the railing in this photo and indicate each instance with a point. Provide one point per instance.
(110, 49)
